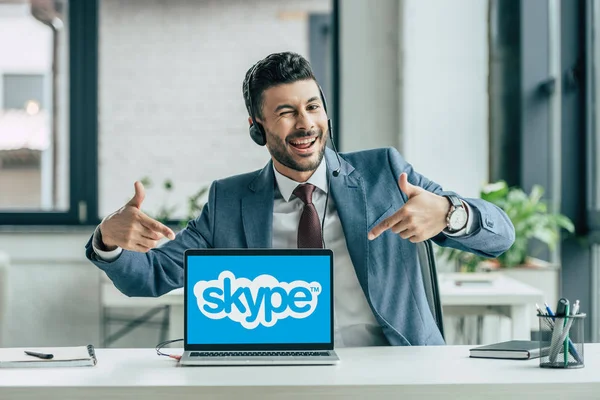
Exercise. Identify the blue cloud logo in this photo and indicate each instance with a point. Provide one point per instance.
(262, 301)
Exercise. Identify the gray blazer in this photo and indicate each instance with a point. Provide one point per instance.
(239, 214)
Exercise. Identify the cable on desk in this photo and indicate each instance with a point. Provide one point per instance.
(163, 344)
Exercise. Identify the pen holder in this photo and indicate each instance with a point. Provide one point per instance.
(561, 341)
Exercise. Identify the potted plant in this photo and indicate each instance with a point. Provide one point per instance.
(531, 219)
(164, 214)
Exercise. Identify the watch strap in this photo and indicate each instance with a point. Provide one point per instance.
(454, 200)
(456, 204)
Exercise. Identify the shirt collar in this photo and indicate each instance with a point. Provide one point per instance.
(286, 185)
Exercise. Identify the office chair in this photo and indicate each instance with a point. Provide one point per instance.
(430, 281)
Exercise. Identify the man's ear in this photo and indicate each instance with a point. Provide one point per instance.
(257, 121)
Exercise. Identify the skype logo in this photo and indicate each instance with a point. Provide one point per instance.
(262, 301)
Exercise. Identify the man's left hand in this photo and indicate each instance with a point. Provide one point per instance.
(422, 217)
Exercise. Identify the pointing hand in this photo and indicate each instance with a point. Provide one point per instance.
(131, 229)
(422, 217)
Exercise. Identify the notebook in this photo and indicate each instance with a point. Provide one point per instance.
(258, 306)
(77, 356)
(513, 349)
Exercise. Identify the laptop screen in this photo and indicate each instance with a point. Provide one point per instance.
(258, 299)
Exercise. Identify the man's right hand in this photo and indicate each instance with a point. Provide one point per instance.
(131, 229)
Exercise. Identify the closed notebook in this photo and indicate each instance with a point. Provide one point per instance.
(77, 356)
(513, 349)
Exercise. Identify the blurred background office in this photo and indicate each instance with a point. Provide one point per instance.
(95, 94)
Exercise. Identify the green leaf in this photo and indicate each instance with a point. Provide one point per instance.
(494, 192)
(517, 197)
(546, 235)
(536, 194)
(564, 222)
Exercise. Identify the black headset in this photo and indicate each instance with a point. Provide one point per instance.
(257, 131)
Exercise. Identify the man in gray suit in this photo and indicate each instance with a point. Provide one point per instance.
(369, 207)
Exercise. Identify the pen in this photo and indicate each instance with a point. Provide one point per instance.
(540, 312)
(575, 310)
(43, 356)
(549, 310)
(566, 339)
(555, 342)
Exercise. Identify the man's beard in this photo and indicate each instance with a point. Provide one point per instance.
(277, 148)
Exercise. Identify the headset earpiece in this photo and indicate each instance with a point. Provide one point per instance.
(257, 134)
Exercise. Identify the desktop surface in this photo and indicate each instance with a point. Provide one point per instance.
(420, 372)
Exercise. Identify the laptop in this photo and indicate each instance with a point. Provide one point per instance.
(258, 306)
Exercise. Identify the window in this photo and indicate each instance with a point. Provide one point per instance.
(593, 167)
(30, 130)
(48, 115)
(24, 127)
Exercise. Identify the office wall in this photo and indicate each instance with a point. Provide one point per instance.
(444, 91)
(52, 292)
(414, 76)
(370, 75)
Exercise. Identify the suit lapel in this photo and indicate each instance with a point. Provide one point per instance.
(348, 192)
(257, 209)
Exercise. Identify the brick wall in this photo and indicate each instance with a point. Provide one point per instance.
(170, 89)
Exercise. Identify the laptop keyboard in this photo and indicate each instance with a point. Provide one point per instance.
(259, 353)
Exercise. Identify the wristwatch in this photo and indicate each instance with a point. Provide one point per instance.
(457, 216)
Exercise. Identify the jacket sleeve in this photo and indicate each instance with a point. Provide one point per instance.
(160, 270)
(493, 232)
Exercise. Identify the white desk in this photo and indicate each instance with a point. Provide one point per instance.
(384, 372)
(505, 296)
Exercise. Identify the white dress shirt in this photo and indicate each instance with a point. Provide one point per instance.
(354, 323)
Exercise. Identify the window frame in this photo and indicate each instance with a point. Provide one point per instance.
(83, 125)
(554, 93)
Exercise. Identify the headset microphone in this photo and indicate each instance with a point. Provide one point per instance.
(336, 172)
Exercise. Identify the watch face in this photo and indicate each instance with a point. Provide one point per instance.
(458, 219)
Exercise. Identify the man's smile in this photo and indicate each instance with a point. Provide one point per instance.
(303, 145)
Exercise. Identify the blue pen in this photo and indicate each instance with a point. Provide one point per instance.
(549, 310)
(571, 345)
